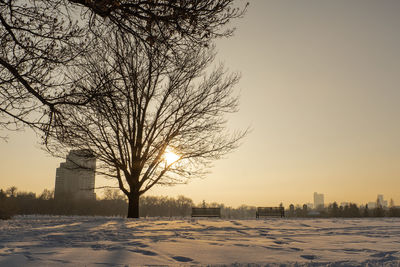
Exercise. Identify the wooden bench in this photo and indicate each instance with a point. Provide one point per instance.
(206, 212)
(270, 212)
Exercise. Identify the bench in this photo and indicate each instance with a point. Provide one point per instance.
(270, 212)
(206, 212)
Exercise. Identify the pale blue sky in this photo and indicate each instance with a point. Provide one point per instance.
(320, 89)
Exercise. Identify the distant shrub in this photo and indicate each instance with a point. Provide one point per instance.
(5, 211)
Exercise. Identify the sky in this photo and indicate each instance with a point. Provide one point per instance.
(320, 91)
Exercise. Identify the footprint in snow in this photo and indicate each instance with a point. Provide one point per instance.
(144, 252)
(273, 247)
(61, 261)
(263, 232)
(182, 259)
(385, 255)
(241, 245)
(242, 232)
(137, 244)
(29, 256)
(279, 242)
(309, 257)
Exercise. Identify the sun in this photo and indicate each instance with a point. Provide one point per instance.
(170, 157)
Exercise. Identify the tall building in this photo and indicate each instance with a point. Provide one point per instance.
(318, 201)
(75, 178)
(381, 201)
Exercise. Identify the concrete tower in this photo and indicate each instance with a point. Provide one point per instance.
(318, 201)
(75, 178)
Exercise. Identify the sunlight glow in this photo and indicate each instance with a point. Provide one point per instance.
(170, 157)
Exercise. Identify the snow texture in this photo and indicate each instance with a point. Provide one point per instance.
(105, 241)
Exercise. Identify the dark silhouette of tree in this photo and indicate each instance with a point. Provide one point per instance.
(7, 209)
(378, 210)
(164, 22)
(112, 194)
(351, 210)
(39, 40)
(366, 211)
(354, 210)
(151, 206)
(304, 211)
(151, 106)
(291, 210)
(47, 194)
(42, 39)
(114, 204)
(394, 211)
(333, 210)
(391, 203)
(183, 205)
(12, 191)
(3, 194)
(26, 195)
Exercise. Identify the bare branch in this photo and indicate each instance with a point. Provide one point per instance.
(152, 105)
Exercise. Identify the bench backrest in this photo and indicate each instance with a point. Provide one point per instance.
(270, 211)
(206, 212)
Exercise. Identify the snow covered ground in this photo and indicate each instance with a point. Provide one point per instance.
(102, 241)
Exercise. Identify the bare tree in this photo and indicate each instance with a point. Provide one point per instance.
(113, 194)
(41, 39)
(47, 194)
(171, 23)
(38, 40)
(160, 121)
(12, 191)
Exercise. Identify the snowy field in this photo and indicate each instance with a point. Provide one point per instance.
(102, 241)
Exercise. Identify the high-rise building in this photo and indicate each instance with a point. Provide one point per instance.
(380, 201)
(75, 178)
(318, 201)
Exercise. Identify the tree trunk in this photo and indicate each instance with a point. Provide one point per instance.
(133, 206)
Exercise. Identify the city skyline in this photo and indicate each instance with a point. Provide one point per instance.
(319, 90)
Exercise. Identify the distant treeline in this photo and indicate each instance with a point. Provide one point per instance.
(13, 202)
(350, 210)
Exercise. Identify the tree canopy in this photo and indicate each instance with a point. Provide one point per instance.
(150, 105)
(42, 39)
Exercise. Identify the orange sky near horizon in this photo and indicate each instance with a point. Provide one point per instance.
(320, 90)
